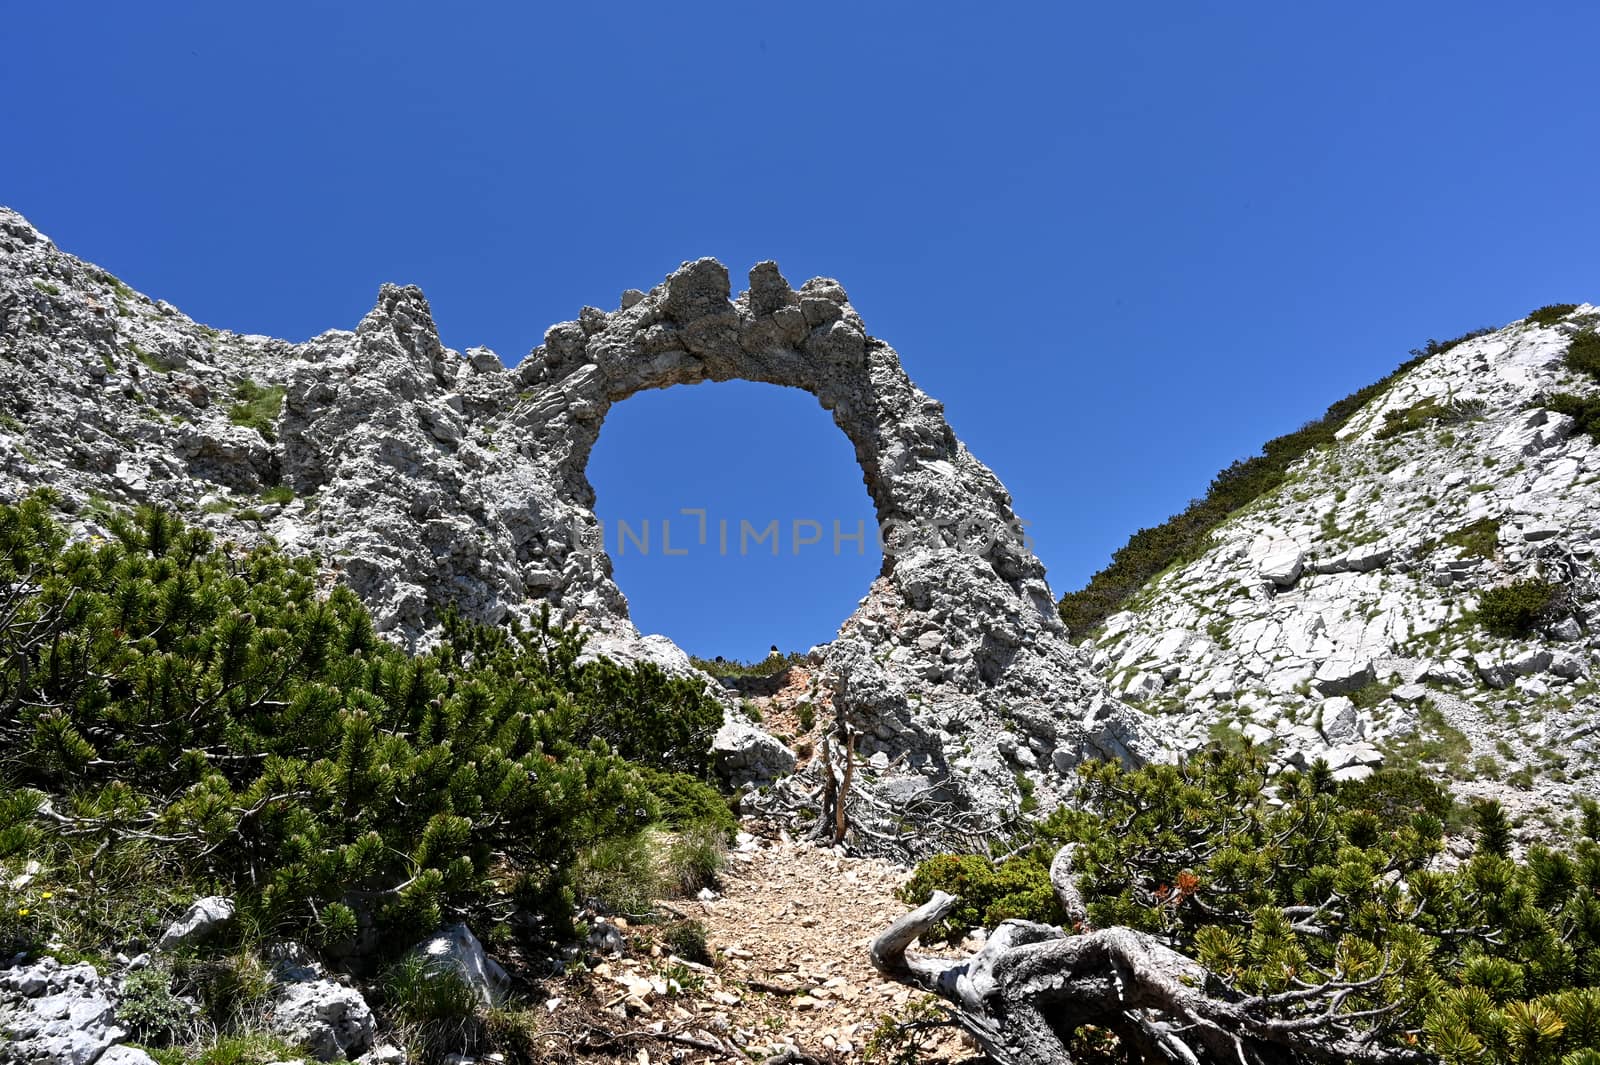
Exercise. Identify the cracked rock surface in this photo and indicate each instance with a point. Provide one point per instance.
(1335, 616)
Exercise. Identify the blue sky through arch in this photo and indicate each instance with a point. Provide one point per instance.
(772, 474)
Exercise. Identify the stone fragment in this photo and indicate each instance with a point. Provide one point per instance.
(1339, 723)
(744, 753)
(1409, 693)
(1283, 566)
(1569, 664)
(125, 1055)
(201, 919)
(455, 949)
(1342, 675)
(54, 1014)
(327, 1018)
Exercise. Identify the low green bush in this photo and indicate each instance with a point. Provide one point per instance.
(1583, 410)
(206, 720)
(687, 939)
(621, 875)
(770, 666)
(433, 1010)
(1428, 412)
(990, 892)
(695, 857)
(257, 408)
(1277, 884)
(231, 988)
(1551, 313)
(687, 800)
(1517, 609)
(1583, 353)
(147, 1007)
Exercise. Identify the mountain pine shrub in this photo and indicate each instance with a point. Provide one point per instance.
(1583, 354)
(1515, 610)
(1280, 885)
(1583, 410)
(1551, 313)
(178, 719)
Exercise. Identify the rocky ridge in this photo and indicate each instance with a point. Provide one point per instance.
(1334, 616)
(424, 477)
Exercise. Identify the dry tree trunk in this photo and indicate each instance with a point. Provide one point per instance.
(1032, 985)
(834, 823)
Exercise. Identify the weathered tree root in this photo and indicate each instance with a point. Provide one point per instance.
(1032, 985)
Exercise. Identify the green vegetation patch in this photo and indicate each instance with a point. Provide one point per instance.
(1551, 313)
(204, 720)
(1517, 609)
(1183, 537)
(1481, 539)
(1275, 885)
(770, 666)
(1429, 411)
(1583, 410)
(1583, 354)
(258, 408)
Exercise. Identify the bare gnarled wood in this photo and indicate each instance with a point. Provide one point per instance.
(1031, 986)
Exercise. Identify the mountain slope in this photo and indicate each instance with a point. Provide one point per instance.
(1357, 609)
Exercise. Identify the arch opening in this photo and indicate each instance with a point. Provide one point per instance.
(734, 516)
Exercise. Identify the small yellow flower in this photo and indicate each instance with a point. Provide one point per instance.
(22, 911)
(47, 895)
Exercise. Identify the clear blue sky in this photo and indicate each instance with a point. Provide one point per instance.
(1124, 245)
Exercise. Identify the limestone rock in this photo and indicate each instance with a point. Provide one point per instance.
(202, 918)
(1340, 676)
(327, 1018)
(54, 1014)
(1339, 722)
(744, 753)
(455, 949)
(125, 1055)
(1283, 566)
(1403, 522)
(383, 1055)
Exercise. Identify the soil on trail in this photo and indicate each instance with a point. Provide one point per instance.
(789, 931)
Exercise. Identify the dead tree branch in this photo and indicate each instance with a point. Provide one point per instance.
(1031, 986)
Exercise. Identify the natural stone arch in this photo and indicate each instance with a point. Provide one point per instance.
(447, 479)
(918, 475)
(955, 668)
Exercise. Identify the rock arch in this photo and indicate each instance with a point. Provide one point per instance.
(455, 480)
(919, 476)
(955, 666)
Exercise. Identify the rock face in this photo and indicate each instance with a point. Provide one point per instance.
(329, 1019)
(54, 1014)
(424, 478)
(1453, 481)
